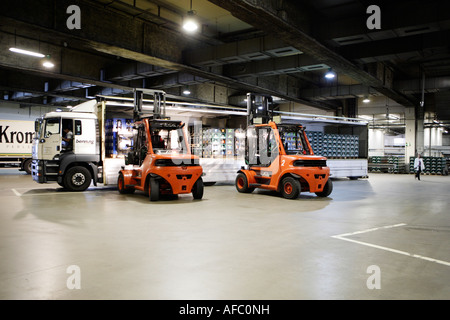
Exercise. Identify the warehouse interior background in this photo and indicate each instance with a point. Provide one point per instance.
(393, 81)
(280, 48)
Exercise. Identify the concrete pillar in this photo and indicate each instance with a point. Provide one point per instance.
(420, 148)
(376, 142)
(410, 134)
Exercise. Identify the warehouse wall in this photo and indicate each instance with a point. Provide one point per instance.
(446, 140)
(301, 108)
(14, 111)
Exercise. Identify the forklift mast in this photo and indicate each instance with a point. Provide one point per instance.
(159, 103)
(259, 108)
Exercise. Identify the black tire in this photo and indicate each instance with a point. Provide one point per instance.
(154, 190)
(327, 189)
(77, 179)
(197, 189)
(241, 183)
(121, 185)
(27, 166)
(290, 188)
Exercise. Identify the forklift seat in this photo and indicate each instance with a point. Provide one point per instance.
(157, 141)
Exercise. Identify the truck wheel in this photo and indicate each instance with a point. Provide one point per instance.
(197, 189)
(290, 188)
(77, 179)
(327, 189)
(154, 190)
(121, 185)
(241, 183)
(27, 166)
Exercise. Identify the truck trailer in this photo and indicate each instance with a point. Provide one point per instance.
(16, 140)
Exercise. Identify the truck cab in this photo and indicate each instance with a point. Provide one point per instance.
(279, 157)
(73, 165)
(160, 161)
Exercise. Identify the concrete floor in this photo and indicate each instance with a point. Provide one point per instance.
(228, 246)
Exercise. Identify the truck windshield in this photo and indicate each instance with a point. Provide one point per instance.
(293, 139)
(52, 126)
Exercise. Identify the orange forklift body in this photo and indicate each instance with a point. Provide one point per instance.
(169, 172)
(287, 174)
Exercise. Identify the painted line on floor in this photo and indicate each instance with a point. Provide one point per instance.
(17, 193)
(344, 235)
(369, 230)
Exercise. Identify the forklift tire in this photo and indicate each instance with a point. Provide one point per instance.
(327, 189)
(121, 185)
(197, 189)
(77, 179)
(242, 184)
(154, 190)
(290, 188)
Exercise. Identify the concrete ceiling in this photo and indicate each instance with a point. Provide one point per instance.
(282, 48)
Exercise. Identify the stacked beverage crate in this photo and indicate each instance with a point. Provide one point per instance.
(334, 145)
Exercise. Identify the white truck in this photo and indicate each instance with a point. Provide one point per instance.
(102, 134)
(16, 139)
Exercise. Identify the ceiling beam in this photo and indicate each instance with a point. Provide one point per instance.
(119, 36)
(274, 21)
(398, 19)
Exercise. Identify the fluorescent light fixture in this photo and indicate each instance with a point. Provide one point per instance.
(366, 117)
(27, 52)
(58, 110)
(330, 74)
(186, 92)
(366, 100)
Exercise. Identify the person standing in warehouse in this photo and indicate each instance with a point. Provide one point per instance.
(419, 166)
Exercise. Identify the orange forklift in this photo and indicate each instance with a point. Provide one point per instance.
(279, 156)
(160, 161)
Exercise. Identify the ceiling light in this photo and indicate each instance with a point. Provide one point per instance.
(186, 92)
(47, 63)
(190, 23)
(27, 52)
(330, 74)
(366, 100)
